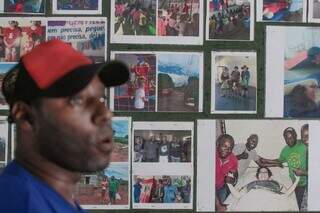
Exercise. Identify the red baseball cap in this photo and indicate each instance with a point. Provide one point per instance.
(55, 69)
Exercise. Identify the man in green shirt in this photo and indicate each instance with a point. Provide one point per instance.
(113, 189)
(294, 154)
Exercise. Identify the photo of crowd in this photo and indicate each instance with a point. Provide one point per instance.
(138, 94)
(19, 36)
(236, 81)
(229, 20)
(266, 163)
(162, 189)
(283, 10)
(162, 146)
(77, 4)
(23, 6)
(105, 188)
(178, 18)
(135, 17)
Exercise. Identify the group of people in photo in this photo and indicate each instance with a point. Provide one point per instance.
(233, 160)
(178, 18)
(165, 189)
(236, 83)
(109, 190)
(162, 148)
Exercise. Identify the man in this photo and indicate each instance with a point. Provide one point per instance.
(151, 150)
(226, 169)
(294, 154)
(175, 150)
(57, 100)
(164, 150)
(113, 190)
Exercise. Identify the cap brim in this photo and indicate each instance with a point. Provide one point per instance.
(113, 73)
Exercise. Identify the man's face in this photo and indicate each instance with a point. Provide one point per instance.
(290, 139)
(252, 143)
(75, 132)
(225, 148)
(305, 136)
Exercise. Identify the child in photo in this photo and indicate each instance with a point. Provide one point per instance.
(140, 99)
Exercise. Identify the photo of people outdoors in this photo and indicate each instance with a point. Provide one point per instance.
(283, 10)
(105, 188)
(4, 68)
(262, 167)
(230, 19)
(301, 73)
(235, 83)
(77, 4)
(19, 36)
(138, 94)
(135, 17)
(178, 18)
(179, 77)
(162, 146)
(121, 139)
(87, 35)
(23, 6)
(3, 140)
(161, 189)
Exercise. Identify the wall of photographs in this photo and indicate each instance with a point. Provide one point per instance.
(198, 70)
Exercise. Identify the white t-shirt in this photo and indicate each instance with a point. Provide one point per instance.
(243, 164)
(138, 99)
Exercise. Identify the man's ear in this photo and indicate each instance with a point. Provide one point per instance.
(22, 114)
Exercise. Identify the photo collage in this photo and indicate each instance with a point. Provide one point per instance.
(237, 81)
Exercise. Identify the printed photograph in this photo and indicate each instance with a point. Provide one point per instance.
(19, 36)
(23, 6)
(230, 19)
(4, 68)
(179, 78)
(104, 189)
(178, 18)
(162, 146)
(314, 11)
(3, 140)
(121, 139)
(161, 189)
(262, 167)
(77, 6)
(139, 93)
(135, 17)
(87, 35)
(234, 82)
(283, 10)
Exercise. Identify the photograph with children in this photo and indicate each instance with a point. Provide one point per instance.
(262, 167)
(234, 86)
(19, 36)
(230, 19)
(165, 189)
(106, 189)
(22, 6)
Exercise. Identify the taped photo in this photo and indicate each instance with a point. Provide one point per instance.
(157, 21)
(282, 10)
(4, 68)
(77, 7)
(23, 7)
(292, 75)
(162, 191)
(110, 188)
(19, 36)
(139, 93)
(230, 20)
(263, 167)
(107, 189)
(161, 149)
(234, 82)
(4, 143)
(160, 81)
(85, 34)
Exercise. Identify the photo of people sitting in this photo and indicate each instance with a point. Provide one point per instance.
(243, 175)
(162, 146)
(229, 19)
(135, 17)
(162, 189)
(283, 10)
(178, 18)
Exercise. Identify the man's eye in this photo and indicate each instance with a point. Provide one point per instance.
(76, 101)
